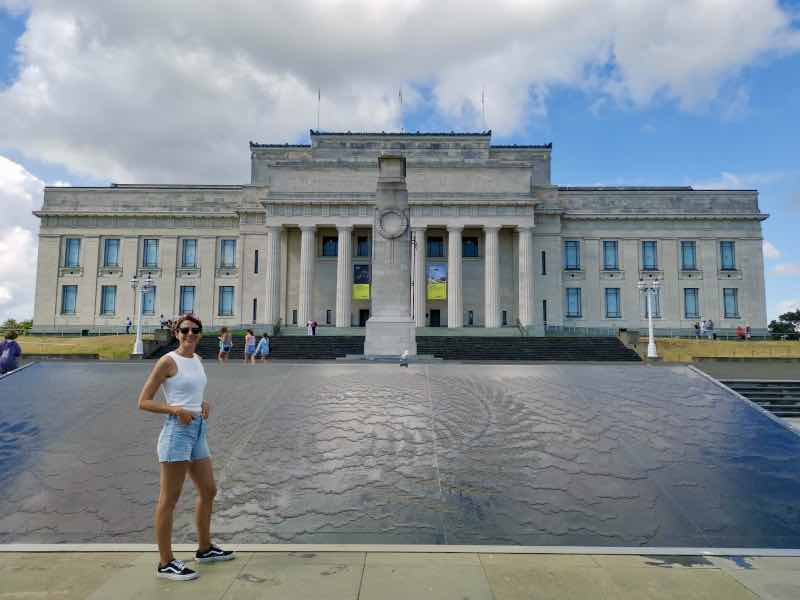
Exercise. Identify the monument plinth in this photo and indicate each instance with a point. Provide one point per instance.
(391, 330)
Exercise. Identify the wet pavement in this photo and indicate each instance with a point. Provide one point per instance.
(590, 455)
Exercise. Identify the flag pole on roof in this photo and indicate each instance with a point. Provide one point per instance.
(319, 101)
(400, 95)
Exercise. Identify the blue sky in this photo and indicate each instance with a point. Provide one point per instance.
(90, 98)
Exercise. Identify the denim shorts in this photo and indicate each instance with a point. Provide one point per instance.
(178, 442)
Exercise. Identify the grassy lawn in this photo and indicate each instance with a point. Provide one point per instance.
(678, 350)
(108, 347)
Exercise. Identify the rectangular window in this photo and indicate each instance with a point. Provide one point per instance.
(656, 305)
(503, 318)
(189, 254)
(544, 262)
(150, 253)
(469, 247)
(149, 301)
(69, 299)
(72, 252)
(435, 247)
(111, 253)
(610, 256)
(294, 316)
(727, 256)
(328, 316)
(255, 262)
(108, 299)
(544, 311)
(612, 303)
(228, 253)
(187, 299)
(572, 255)
(688, 256)
(574, 302)
(226, 301)
(255, 308)
(330, 246)
(731, 300)
(649, 256)
(362, 246)
(691, 307)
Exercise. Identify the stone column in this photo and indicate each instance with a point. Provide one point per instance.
(272, 305)
(526, 311)
(344, 275)
(455, 304)
(491, 266)
(307, 258)
(420, 281)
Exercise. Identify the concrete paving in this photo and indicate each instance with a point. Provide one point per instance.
(555, 455)
(374, 575)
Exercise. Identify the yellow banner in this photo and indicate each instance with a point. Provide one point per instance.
(437, 290)
(360, 291)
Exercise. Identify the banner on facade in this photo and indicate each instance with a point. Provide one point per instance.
(437, 281)
(360, 282)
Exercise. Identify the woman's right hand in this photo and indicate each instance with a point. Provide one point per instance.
(184, 416)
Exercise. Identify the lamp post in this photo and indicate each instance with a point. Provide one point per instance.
(140, 285)
(650, 288)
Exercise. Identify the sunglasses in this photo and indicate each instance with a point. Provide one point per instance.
(186, 330)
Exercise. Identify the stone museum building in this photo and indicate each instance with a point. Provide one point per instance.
(495, 243)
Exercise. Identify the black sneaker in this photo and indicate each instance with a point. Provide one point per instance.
(175, 569)
(214, 553)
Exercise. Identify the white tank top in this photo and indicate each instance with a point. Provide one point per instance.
(186, 387)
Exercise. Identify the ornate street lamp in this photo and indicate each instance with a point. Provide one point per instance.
(140, 285)
(650, 288)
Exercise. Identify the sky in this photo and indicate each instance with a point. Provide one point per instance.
(630, 92)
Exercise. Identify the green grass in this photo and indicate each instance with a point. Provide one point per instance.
(685, 351)
(107, 347)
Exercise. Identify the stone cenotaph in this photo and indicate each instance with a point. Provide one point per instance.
(391, 330)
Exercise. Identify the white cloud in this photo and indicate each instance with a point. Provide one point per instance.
(785, 306)
(786, 269)
(770, 251)
(145, 91)
(20, 193)
(738, 181)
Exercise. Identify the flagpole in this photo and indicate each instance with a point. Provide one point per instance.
(319, 101)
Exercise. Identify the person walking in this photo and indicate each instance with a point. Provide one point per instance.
(250, 347)
(702, 328)
(309, 327)
(128, 324)
(262, 349)
(9, 352)
(183, 447)
(710, 330)
(225, 344)
(313, 327)
(696, 330)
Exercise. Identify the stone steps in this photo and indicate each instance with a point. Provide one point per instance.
(781, 398)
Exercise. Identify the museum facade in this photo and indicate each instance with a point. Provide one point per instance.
(494, 244)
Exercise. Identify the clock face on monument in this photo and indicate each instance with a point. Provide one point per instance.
(392, 223)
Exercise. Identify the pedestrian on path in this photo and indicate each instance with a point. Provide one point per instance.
(250, 346)
(309, 327)
(128, 325)
(225, 344)
(183, 447)
(702, 329)
(9, 352)
(262, 349)
(313, 327)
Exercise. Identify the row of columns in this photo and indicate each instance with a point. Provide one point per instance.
(455, 300)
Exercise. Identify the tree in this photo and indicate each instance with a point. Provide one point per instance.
(787, 324)
(18, 326)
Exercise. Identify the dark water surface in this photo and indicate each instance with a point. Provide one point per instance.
(592, 455)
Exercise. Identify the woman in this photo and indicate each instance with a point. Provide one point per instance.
(182, 447)
(9, 352)
(262, 349)
(250, 347)
(225, 344)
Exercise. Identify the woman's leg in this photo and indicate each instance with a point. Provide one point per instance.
(172, 476)
(202, 475)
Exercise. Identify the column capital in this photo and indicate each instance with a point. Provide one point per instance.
(524, 228)
(492, 228)
(308, 227)
(455, 228)
(344, 228)
(274, 228)
(418, 228)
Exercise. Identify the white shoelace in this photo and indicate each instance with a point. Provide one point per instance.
(178, 563)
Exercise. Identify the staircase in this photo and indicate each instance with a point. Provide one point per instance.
(780, 397)
(509, 349)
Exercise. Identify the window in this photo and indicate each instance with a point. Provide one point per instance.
(691, 307)
(328, 316)
(731, 299)
(610, 256)
(470, 317)
(574, 302)
(544, 311)
(362, 246)
(228, 253)
(469, 247)
(69, 298)
(688, 256)
(656, 300)
(435, 247)
(544, 262)
(330, 246)
(187, 299)
(72, 252)
(111, 253)
(294, 316)
(150, 253)
(572, 255)
(255, 308)
(189, 254)
(503, 318)
(612, 303)
(727, 256)
(108, 299)
(226, 301)
(255, 262)
(649, 256)
(149, 301)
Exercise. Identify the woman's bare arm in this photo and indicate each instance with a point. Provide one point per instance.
(165, 367)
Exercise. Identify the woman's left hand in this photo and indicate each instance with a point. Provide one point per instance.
(205, 410)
